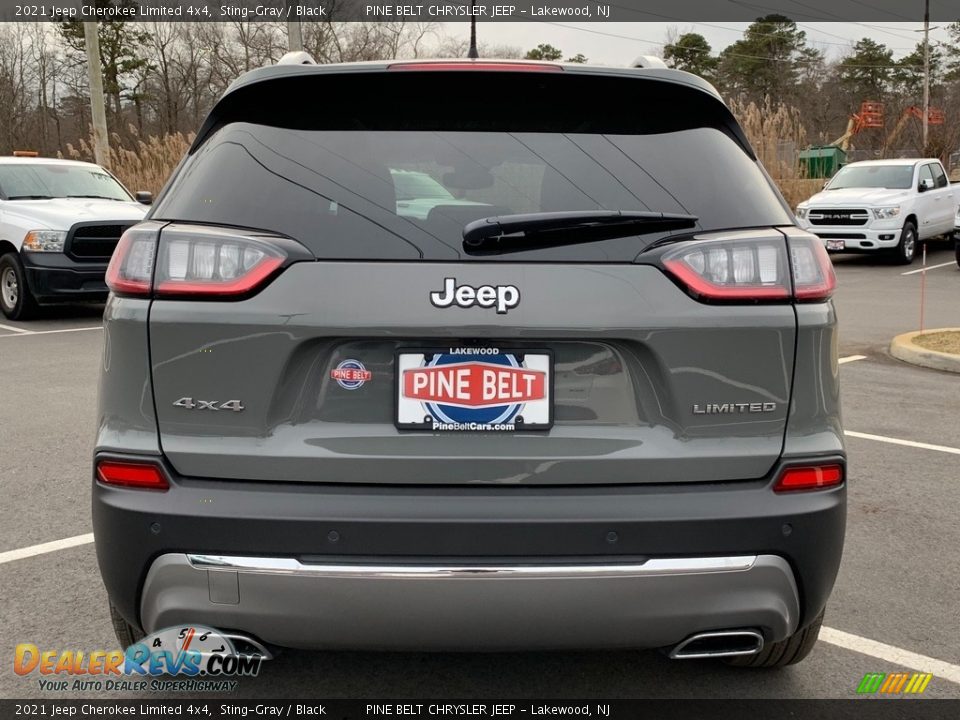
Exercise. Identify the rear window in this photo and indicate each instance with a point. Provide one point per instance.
(406, 191)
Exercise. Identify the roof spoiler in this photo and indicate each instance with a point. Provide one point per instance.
(246, 95)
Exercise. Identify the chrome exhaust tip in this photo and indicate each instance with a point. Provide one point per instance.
(246, 645)
(721, 643)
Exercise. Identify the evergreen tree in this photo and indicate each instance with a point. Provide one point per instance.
(868, 71)
(691, 52)
(122, 53)
(768, 60)
(543, 51)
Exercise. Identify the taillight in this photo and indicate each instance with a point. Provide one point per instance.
(145, 475)
(813, 276)
(130, 271)
(213, 262)
(809, 478)
(193, 261)
(738, 268)
(748, 268)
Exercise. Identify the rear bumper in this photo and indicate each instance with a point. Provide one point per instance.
(464, 606)
(297, 589)
(54, 277)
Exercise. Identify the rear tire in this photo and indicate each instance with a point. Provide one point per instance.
(956, 247)
(786, 652)
(16, 301)
(906, 250)
(126, 633)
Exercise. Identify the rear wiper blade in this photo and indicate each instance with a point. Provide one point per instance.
(514, 233)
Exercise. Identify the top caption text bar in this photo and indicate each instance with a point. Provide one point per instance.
(536, 10)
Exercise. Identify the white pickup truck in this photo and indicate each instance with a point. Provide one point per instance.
(879, 205)
(59, 223)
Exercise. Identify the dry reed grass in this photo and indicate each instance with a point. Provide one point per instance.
(777, 134)
(144, 166)
(796, 190)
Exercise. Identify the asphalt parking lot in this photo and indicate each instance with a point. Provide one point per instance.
(895, 606)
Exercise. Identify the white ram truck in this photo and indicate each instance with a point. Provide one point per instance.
(59, 223)
(883, 205)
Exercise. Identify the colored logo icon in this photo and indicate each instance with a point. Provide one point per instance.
(351, 374)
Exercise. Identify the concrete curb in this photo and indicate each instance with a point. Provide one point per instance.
(903, 348)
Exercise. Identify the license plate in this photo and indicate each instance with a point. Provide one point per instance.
(836, 244)
(474, 389)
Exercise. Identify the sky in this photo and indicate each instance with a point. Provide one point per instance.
(597, 42)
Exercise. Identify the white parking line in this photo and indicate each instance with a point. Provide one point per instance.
(865, 646)
(907, 443)
(929, 267)
(898, 656)
(47, 547)
(14, 329)
(26, 333)
(851, 358)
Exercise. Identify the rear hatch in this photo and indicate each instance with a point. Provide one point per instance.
(318, 317)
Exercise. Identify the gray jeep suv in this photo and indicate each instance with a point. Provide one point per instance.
(574, 387)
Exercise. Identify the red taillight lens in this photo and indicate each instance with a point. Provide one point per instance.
(130, 271)
(146, 476)
(813, 276)
(741, 268)
(809, 478)
(192, 261)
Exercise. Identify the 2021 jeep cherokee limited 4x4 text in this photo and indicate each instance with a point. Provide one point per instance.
(495, 355)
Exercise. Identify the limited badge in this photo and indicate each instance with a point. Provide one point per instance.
(350, 374)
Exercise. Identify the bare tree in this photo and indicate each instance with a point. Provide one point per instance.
(15, 84)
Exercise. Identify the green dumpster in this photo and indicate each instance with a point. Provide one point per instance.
(822, 161)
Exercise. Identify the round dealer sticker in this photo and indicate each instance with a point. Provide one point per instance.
(350, 374)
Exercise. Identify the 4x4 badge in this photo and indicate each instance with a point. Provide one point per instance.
(190, 404)
(503, 297)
